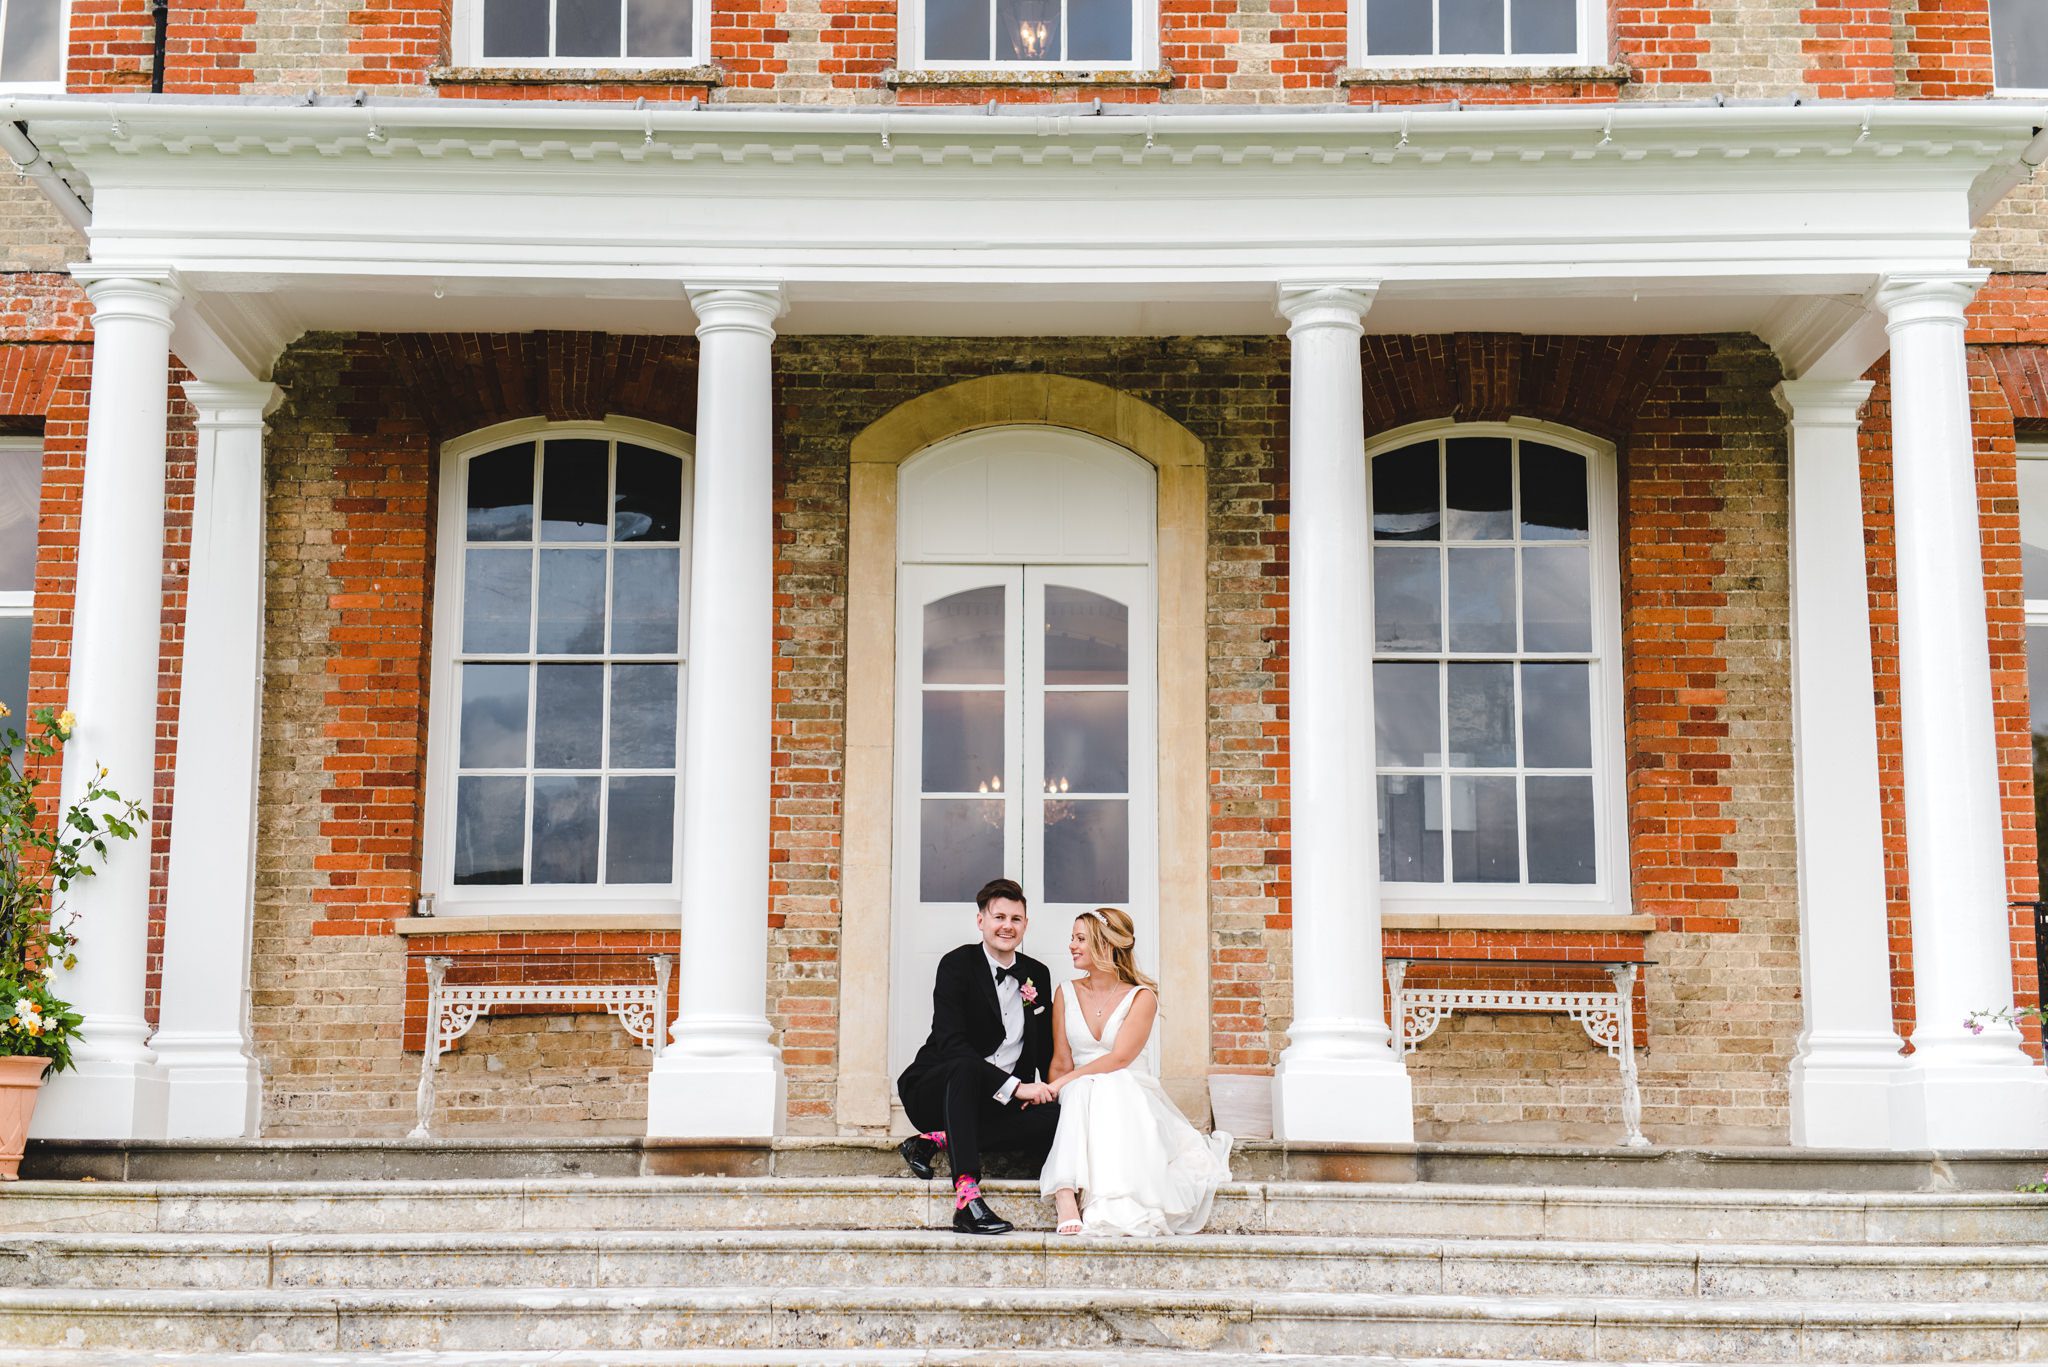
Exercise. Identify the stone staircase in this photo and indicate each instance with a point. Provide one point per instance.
(660, 1272)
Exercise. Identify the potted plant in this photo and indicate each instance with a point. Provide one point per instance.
(39, 861)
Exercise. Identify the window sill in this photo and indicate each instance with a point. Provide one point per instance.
(704, 75)
(1611, 74)
(1589, 922)
(511, 923)
(996, 77)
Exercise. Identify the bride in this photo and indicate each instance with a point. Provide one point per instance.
(1139, 1166)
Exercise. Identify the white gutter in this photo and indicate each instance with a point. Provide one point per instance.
(32, 163)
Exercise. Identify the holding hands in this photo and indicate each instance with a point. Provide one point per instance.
(1035, 1093)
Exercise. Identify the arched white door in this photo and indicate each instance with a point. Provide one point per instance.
(1026, 687)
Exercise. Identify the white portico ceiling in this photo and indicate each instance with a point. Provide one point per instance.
(428, 214)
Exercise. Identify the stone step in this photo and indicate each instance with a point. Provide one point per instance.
(880, 1258)
(750, 1357)
(1567, 1329)
(1382, 1210)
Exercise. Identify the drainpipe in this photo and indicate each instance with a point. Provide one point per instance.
(160, 12)
(14, 141)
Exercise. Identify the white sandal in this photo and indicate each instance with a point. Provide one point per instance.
(1070, 1228)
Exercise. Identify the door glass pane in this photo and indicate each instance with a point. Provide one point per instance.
(1411, 828)
(2033, 474)
(1479, 486)
(564, 828)
(643, 733)
(640, 830)
(493, 717)
(1557, 718)
(1404, 494)
(1482, 716)
(1087, 743)
(21, 490)
(1553, 494)
(1557, 606)
(963, 638)
(568, 717)
(1087, 851)
(490, 830)
(29, 43)
(1561, 830)
(587, 28)
(571, 603)
(497, 594)
(648, 505)
(1546, 26)
(1405, 718)
(960, 847)
(956, 30)
(657, 28)
(963, 743)
(1482, 599)
(1397, 28)
(1087, 637)
(14, 640)
(1028, 30)
(1475, 26)
(572, 489)
(1098, 30)
(2019, 44)
(646, 600)
(515, 28)
(1406, 612)
(2037, 700)
(1485, 839)
(501, 495)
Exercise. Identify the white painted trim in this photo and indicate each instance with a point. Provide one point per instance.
(1591, 50)
(910, 47)
(57, 86)
(467, 42)
(443, 705)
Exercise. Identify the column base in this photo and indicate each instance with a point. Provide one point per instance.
(1846, 1104)
(1343, 1100)
(216, 1090)
(696, 1096)
(104, 1099)
(1951, 1106)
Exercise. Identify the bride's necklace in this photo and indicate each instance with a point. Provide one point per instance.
(1095, 1014)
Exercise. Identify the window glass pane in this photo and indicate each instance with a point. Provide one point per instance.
(1479, 487)
(493, 717)
(1087, 743)
(1088, 851)
(2037, 697)
(643, 730)
(1404, 494)
(1557, 607)
(2033, 475)
(1099, 30)
(963, 638)
(956, 30)
(1557, 725)
(501, 495)
(586, 28)
(572, 491)
(497, 592)
(963, 743)
(568, 717)
(14, 634)
(960, 847)
(515, 28)
(571, 603)
(30, 40)
(1548, 26)
(1397, 28)
(1553, 494)
(640, 830)
(1405, 716)
(1482, 599)
(490, 830)
(21, 492)
(657, 28)
(1477, 26)
(1561, 830)
(1406, 612)
(648, 505)
(1484, 837)
(646, 601)
(564, 829)
(1028, 30)
(1087, 638)
(1482, 716)
(2019, 44)
(1411, 828)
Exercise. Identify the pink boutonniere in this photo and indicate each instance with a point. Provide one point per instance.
(1029, 992)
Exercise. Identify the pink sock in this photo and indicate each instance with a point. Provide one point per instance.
(935, 1136)
(965, 1189)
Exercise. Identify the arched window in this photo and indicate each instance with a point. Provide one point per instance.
(1495, 676)
(560, 641)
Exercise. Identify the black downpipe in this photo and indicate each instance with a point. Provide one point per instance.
(2041, 959)
(160, 11)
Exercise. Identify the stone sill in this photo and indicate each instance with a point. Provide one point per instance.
(1553, 920)
(1158, 79)
(1474, 75)
(512, 923)
(704, 75)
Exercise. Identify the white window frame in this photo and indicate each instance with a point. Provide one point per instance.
(444, 708)
(2031, 92)
(467, 20)
(2034, 449)
(1610, 894)
(21, 603)
(1591, 51)
(910, 46)
(63, 58)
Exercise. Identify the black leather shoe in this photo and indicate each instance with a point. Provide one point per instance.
(919, 1152)
(976, 1218)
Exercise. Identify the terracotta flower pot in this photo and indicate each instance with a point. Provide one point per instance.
(21, 1080)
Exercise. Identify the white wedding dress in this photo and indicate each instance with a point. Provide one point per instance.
(1138, 1164)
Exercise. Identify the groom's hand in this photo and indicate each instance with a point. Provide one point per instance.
(1034, 1093)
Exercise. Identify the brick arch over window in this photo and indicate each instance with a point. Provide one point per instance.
(1595, 384)
(459, 382)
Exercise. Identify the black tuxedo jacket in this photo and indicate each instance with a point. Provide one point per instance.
(967, 1022)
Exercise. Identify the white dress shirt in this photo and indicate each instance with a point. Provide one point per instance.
(1010, 997)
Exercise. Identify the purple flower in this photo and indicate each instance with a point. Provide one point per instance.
(1974, 1026)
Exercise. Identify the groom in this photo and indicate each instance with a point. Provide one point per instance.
(978, 1082)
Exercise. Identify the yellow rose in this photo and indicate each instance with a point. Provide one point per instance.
(66, 720)
(5, 710)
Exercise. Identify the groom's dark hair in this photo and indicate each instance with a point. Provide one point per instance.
(1005, 888)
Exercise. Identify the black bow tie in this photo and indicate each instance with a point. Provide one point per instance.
(1010, 972)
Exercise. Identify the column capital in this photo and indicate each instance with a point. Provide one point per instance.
(1327, 304)
(1923, 296)
(1822, 403)
(234, 403)
(149, 294)
(738, 306)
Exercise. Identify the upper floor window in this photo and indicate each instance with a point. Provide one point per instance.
(1496, 639)
(1399, 33)
(2019, 45)
(21, 489)
(32, 44)
(1071, 34)
(581, 33)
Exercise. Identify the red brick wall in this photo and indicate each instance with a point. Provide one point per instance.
(1662, 41)
(207, 48)
(112, 46)
(1948, 49)
(396, 42)
(1849, 44)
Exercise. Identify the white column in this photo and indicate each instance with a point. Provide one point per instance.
(117, 1091)
(1339, 1078)
(723, 1076)
(1848, 1054)
(202, 1035)
(1959, 1090)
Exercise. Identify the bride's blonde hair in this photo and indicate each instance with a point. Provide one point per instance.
(1111, 940)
